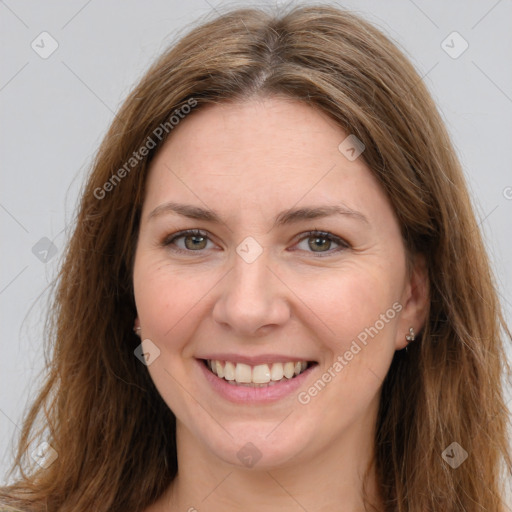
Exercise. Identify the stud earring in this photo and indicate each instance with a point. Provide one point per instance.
(137, 330)
(410, 338)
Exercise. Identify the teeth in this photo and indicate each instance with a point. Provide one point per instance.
(259, 375)
(229, 371)
(243, 373)
(289, 370)
(218, 369)
(277, 371)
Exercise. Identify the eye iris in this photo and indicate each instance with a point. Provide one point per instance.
(195, 244)
(326, 245)
(198, 242)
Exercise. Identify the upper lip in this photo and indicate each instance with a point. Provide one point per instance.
(254, 360)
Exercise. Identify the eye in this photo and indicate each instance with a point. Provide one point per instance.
(194, 240)
(317, 241)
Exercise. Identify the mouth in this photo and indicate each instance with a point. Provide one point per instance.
(257, 376)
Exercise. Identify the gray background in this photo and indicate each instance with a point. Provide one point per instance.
(56, 110)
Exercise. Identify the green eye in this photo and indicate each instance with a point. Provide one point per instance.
(320, 242)
(196, 240)
(323, 243)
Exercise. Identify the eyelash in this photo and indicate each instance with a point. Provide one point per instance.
(169, 240)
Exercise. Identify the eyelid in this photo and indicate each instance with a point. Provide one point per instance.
(169, 239)
(343, 244)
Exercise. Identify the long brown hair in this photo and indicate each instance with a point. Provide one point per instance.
(99, 409)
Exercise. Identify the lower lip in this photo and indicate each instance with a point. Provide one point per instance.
(254, 395)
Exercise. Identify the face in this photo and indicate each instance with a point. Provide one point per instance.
(300, 312)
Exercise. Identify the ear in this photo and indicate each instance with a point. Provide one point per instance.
(136, 322)
(415, 301)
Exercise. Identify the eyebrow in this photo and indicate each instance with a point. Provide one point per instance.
(289, 216)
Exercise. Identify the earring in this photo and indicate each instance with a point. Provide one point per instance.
(137, 330)
(409, 337)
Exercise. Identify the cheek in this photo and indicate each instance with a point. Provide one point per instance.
(167, 302)
(168, 298)
(353, 300)
(360, 309)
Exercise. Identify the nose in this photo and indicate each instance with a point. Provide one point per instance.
(252, 299)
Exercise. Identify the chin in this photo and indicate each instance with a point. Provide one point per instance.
(258, 447)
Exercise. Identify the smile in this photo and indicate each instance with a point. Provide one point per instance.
(254, 379)
(261, 375)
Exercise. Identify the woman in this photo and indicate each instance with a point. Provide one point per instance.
(276, 296)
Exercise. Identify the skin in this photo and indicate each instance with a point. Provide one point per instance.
(248, 161)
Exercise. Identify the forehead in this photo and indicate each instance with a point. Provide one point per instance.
(264, 153)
